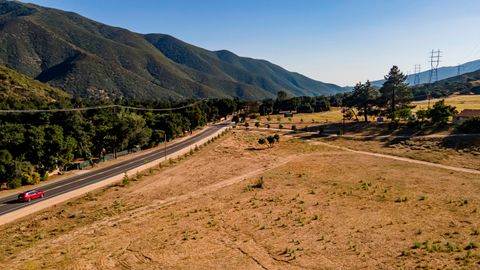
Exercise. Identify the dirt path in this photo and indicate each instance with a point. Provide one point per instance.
(458, 169)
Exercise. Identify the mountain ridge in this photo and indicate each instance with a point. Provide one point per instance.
(91, 59)
(444, 72)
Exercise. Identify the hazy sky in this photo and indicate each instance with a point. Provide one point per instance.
(338, 41)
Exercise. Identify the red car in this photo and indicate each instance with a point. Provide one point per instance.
(30, 195)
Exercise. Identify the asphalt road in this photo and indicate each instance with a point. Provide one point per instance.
(10, 203)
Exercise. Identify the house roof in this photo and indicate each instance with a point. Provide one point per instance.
(469, 113)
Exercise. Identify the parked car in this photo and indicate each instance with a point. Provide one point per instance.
(30, 195)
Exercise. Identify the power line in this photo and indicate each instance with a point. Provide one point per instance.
(99, 108)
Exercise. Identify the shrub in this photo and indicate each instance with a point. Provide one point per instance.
(271, 140)
(257, 124)
(471, 125)
(280, 126)
(403, 114)
(440, 112)
(235, 119)
(294, 127)
(261, 141)
(257, 185)
(14, 183)
(125, 180)
(276, 137)
(247, 125)
(321, 130)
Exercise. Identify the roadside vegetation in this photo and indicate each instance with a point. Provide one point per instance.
(34, 144)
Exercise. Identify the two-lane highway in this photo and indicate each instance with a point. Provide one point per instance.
(9, 203)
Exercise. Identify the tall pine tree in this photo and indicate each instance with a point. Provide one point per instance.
(395, 93)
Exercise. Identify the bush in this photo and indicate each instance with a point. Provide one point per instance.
(14, 183)
(257, 185)
(261, 141)
(402, 114)
(440, 112)
(276, 137)
(280, 126)
(471, 125)
(247, 125)
(294, 127)
(271, 140)
(321, 130)
(125, 180)
(257, 124)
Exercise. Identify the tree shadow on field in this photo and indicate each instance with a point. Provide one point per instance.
(255, 149)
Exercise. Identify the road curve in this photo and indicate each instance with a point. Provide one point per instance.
(10, 203)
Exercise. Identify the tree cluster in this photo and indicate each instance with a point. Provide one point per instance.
(32, 145)
(302, 104)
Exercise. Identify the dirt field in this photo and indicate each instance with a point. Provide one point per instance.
(446, 151)
(237, 205)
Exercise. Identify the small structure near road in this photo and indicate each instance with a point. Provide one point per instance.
(465, 115)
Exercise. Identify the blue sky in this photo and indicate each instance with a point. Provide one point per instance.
(338, 41)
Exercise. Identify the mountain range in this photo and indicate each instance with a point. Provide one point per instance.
(90, 59)
(443, 73)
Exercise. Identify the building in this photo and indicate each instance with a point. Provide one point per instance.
(465, 115)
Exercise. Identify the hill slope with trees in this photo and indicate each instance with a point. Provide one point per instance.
(90, 59)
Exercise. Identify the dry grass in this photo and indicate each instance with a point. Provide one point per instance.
(334, 115)
(420, 149)
(460, 101)
(315, 208)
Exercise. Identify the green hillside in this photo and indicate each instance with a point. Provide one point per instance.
(16, 88)
(90, 59)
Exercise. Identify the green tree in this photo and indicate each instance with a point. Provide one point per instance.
(6, 166)
(282, 95)
(363, 98)
(440, 112)
(130, 130)
(196, 116)
(395, 93)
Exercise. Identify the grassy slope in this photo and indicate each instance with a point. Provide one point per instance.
(19, 88)
(460, 101)
(92, 59)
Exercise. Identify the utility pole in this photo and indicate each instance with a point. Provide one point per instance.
(165, 140)
(416, 79)
(434, 62)
(459, 67)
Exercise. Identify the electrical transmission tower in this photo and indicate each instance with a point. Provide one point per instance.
(434, 62)
(416, 79)
(459, 67)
